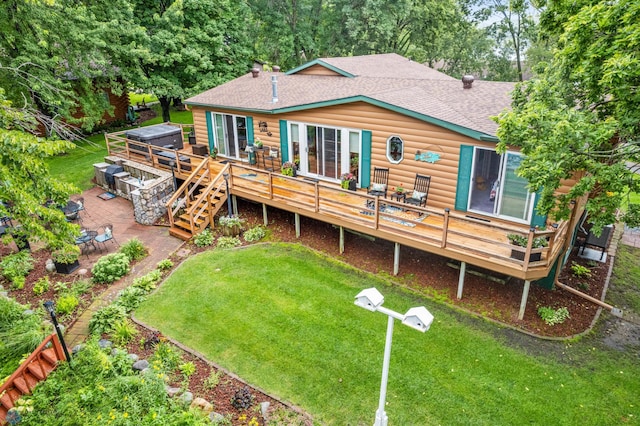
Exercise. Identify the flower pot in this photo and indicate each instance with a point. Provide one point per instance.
(534, 256)
(231, 231)
(66, 268)
(352, 185)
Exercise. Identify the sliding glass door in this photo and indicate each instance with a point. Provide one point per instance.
(496, 190)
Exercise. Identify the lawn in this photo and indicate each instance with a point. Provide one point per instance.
(283, 318)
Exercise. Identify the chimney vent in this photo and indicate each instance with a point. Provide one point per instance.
(274, 86)
(276, 68)
(255, 72)
(467, 81)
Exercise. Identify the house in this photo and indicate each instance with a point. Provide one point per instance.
(333, 116)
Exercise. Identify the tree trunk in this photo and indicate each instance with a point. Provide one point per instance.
(165, 102)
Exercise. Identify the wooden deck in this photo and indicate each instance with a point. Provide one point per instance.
(450, 234)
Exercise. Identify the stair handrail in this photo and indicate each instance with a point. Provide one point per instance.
(185, 190)
(201, 206)
(57, 348)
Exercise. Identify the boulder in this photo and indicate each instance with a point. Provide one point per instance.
(140, 365)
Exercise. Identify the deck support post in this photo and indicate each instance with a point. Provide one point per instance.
(297, 218)
(396, 258)
(265, 219)
(235, 205)
(523, 302)
(463, 270)
(341, 239)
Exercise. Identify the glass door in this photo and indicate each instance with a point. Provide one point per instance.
(496, 190)
(320, 151)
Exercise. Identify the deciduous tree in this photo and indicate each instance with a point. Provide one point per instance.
(581, 118)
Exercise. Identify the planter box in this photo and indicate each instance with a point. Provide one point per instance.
(534, 256)
(231, 231)
(66, 268)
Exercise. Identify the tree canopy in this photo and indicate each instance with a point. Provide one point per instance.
(581, 117)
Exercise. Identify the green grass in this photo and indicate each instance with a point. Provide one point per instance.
(135, 98)
(182, 117)
(625, 281)
(283, 318)
(76, 166)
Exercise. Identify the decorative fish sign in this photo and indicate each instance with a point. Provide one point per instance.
(427, 157)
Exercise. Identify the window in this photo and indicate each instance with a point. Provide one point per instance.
(395, 149)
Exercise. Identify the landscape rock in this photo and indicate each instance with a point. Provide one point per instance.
(140, 365)
(264, 407)
(216, 418)
(134, 357)
(202, 404)
(104, 343)
(171, 392)
(186, 397)
(77, 348)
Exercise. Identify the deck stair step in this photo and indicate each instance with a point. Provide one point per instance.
(180, 233)
(49, 355)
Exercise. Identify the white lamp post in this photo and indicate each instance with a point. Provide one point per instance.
(418, 318)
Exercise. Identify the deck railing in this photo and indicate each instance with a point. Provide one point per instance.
(451, 234)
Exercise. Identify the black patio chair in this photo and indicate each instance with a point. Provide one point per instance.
(274, 158)
(420, 191)
(379, 183)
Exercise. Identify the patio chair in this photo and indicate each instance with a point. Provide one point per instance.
(420, 191)
(81, 206)
(379, 183)
(105, 233)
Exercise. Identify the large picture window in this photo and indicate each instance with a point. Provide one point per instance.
(395, 149)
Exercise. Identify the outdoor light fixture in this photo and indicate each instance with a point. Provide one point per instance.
(417, 318)
(48, 305)
(226, 181)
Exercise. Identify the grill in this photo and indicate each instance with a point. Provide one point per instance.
(108, 174)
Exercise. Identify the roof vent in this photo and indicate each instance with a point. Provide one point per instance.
(467, 81)
(276, 68)
(255, 72)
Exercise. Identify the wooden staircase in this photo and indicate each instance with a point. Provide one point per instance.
(194, 205)
(32, 371)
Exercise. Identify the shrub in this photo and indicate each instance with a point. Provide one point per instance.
(203, 239)
(213, 379)
(66, 304)
(580, 271)
(134, 249)
(165, 264)
(228, 242)
(81, 287)
(66, 255)
(165, 357)
(553, 316)
(130, 298)
(254, 234)
(60, 287)
(230, 221)
(41, 286)
(104, 320)
(242, 399)
(123, 332)
(148, 281)
(16, 266)
(110, 268)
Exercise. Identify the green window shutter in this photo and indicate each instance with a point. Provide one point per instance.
(210, 130)
(284, 141)
(249, 124)
(464, 174)
(538, 220)
(365, 173)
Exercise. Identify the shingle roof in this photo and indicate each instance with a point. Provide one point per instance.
(388, 80)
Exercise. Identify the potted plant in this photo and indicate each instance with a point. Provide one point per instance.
(348, 181)
(399, 189)
(231, 225)
(288, 169)
(65, 259)
(521, 241)
(214, 153)
(258, 144)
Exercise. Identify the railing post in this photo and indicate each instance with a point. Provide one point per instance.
(445, 227)
(376, 210)
(317, 197)
(527, 253)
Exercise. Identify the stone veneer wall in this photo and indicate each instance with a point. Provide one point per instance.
(149, 202)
